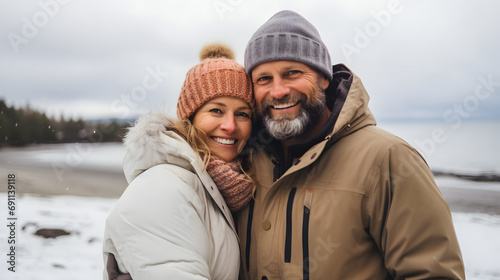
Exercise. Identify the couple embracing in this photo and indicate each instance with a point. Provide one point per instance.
(276, 170)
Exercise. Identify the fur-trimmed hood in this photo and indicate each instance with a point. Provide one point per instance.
(149, 142)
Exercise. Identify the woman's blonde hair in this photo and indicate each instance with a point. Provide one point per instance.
(197, 139)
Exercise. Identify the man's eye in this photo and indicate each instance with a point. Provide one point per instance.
(292, 72)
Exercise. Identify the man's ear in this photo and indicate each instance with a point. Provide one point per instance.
(325, 83)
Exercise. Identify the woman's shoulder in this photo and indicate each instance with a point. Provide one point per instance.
(167, 178)
(163, 188)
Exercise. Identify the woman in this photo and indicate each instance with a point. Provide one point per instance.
(174, 219)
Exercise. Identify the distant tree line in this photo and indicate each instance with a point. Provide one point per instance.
(23, 126)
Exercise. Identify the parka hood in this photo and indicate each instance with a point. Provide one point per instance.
(353, 102)
(150, 142)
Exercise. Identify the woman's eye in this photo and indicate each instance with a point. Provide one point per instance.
(263, 79)
(245, 115)
(215, 110)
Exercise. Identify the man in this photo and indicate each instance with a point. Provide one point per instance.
(337, 197)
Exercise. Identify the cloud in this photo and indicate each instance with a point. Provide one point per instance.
(86, 55)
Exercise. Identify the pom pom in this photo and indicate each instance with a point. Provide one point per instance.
(216, 50)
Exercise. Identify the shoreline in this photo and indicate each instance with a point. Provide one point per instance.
(461, 195)
(481, 177)
(95, 171)
(44, 180)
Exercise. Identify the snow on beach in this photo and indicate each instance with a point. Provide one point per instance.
(73, 256)
(78, 255)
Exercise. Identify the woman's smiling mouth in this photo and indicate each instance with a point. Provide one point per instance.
(225, 141)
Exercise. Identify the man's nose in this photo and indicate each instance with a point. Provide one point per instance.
(280, 89)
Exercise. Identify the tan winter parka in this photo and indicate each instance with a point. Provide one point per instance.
(355, 203)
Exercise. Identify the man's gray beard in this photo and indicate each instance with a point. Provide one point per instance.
(285, 127)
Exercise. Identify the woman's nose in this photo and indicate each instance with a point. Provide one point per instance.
(228, 124)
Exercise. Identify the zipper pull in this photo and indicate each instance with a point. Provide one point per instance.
(276, 170)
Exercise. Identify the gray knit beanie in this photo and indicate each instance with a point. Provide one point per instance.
(288, 36)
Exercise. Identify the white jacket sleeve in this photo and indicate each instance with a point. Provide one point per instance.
(158, 226)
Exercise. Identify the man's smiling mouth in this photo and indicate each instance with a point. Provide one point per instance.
(284, 106)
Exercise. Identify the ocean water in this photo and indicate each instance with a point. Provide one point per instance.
(92, 156)
(469, 148)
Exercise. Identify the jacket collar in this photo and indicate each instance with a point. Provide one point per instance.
(150, 142)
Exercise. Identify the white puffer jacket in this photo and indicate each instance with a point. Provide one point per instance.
(171, 222)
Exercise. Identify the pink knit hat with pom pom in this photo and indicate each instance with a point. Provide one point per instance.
(217, 75)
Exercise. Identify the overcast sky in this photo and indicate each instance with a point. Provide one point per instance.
(99, 59)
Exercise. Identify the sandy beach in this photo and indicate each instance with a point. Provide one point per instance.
(58, 176)
(92, 176)
(95, 177)
(469, 196)
(44, 180)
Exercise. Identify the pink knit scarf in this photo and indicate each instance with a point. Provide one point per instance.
(236, 190)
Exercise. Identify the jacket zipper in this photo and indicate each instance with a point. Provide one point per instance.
(305, 233)
(305, 243)
(288, 232)
(249, 234)
(276, 170)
